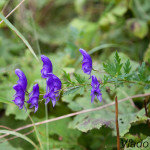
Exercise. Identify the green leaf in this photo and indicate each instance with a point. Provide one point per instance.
(147, 54)
(118, 64)
(140, 9)
(141, 72)
(59, 138)
(127, 67)
(67, 76)
(8, 146)
(110, 68)
(71, 90)
(19, 135)
(4, 100)
(114, 69)
(79, 78)
(19, 114)
(19, 34)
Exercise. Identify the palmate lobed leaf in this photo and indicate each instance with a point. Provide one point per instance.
(19, 114)
(60, 136)
(105, 117)
(8, 146)
(89, 121)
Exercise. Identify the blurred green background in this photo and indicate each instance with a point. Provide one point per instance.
(58, 28)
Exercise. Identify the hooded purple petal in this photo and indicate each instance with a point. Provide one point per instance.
(95, 91)
(47, 66)
(95, 84)
(34, 97)
(20, 89)
(22, 79)
(87, 62)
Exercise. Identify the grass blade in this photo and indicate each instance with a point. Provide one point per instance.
(19, 135)
(36, 131)
(19, 34)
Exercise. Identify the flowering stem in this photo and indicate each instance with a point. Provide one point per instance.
(117, 125)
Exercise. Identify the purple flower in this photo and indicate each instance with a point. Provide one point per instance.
(20, 89)
(87, 62)
(52, 89)
(34, 97)
(47, 67)
(95, 89)
(22, 79)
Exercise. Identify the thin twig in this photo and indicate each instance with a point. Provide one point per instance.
(1, 126)
(76, 113)
(36, 131)
(13, 10)
(117, 125)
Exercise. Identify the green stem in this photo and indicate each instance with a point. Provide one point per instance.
(47, 132)
(36, 131)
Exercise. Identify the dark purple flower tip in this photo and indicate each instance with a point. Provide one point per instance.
(47, 66)
(22, 79)
(34, 97)
(87, 62)
(95, 91)
(52, 89)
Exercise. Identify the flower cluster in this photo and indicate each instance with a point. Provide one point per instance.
(52, 81)
(87, 68)
(52, 89)
(53, 84)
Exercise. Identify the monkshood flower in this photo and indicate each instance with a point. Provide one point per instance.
(47, 66)
(22, 79)
(95, 89)
(52, 89)
(34, 97)
(20, 89)
(87, 62)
